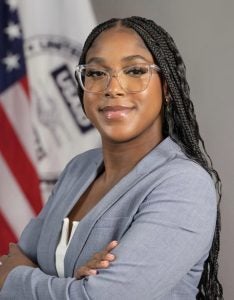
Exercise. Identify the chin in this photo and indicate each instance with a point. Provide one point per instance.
(119, 138)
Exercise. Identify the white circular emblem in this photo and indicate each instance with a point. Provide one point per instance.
(60, 127)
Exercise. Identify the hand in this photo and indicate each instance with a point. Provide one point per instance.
(99, 260)
(14, 258)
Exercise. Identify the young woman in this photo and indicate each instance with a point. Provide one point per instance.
(151, 187)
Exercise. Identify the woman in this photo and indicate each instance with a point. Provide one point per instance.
(150, 187)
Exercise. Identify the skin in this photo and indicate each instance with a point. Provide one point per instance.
(14, 258)
(99, 260)
(142, 115)
(130, 126)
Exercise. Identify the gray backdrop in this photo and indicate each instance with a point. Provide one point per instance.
(203, 31)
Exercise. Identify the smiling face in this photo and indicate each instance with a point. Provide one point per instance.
(118, 115)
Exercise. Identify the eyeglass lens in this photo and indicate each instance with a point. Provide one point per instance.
(132, 79)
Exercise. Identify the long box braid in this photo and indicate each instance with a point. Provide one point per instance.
(179, 122)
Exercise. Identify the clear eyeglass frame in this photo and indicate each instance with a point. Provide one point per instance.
(111, 73)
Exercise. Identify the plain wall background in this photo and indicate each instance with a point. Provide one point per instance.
(203, 32)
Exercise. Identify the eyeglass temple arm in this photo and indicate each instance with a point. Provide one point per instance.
(155, 67)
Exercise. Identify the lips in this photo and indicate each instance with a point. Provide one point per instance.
(115, 112)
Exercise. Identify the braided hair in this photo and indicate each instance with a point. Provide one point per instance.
(179, 122)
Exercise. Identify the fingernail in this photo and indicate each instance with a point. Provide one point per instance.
(110, 256)
(93, 272)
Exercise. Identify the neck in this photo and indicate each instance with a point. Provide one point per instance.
(121, 158)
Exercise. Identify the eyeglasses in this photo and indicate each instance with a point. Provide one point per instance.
(132, 79)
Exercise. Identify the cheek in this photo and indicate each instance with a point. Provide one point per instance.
(88, 101)
(154, 96)
(155, 87)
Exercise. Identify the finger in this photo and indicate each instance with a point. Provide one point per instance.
(84, 271)
(3, 258)
(111, 246)
(109, 256)
(98, 256)
(98, 264)
(104, 255)
(13, 248)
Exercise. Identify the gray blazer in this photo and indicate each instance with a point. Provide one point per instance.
(162, 213)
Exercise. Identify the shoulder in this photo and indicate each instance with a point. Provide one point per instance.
(187, 179)
(182, 182)
(167, 162)
(176, 165)
(182, 196)
(189, 174)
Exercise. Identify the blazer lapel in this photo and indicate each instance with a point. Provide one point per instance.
(87, 223)
(151, 161)
(74, 187)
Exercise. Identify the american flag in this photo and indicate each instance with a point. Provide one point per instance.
(20, 197)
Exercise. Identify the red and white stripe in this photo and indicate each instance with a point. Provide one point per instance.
(20, 196)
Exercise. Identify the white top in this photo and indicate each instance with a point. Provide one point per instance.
(63, 245)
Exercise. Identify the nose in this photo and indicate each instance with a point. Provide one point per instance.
(114, 88)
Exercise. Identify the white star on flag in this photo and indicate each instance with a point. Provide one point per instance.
(11, 61)
(13, 31)
(13, 4)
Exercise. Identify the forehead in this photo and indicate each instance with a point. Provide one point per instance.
(118, 42)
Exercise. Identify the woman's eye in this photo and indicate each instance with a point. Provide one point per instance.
(136, 71)
(94, 73)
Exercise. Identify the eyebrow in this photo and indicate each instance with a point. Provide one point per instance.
(100, 60)
(95, 60)
(134, 57)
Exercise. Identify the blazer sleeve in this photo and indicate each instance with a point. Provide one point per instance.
(172, 230)
(31, 233)
(29, 238)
